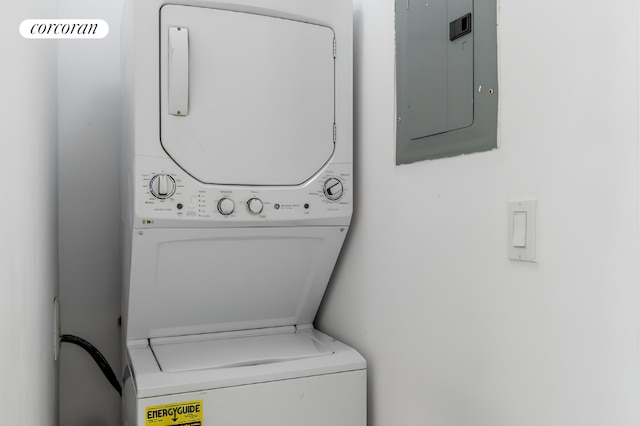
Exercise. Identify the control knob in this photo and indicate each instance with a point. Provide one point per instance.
(255, 206)
(226, 206)
(162, 186)
(333, 189)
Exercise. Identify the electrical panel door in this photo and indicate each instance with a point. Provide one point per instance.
(446, 78)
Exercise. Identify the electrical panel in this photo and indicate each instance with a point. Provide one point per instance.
(446, 71)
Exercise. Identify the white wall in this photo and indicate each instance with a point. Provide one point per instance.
(89, 198)
(28, 228)
(454, 332)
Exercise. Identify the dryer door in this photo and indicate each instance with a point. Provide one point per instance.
(246, 99)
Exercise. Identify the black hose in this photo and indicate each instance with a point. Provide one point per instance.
(97, 357)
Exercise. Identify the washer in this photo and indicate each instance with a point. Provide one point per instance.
(238, 195)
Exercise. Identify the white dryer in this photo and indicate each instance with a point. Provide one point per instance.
(238, 189)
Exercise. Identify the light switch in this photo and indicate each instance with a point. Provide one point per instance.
(520, 229)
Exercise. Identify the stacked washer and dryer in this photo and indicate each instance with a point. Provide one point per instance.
(238, 196)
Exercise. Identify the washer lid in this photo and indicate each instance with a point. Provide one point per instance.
(246, 99)
(211, 351)
(187, 281)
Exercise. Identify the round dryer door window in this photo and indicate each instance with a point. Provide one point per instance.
(246, 99)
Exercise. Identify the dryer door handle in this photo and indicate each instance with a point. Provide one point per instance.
(178, 71)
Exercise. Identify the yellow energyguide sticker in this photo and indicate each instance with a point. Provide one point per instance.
(179, 414)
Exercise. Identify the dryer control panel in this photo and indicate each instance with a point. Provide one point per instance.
(168, 196)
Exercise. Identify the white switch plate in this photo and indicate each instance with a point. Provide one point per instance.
(515, 249)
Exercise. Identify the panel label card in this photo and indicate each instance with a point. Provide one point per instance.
(178, 414)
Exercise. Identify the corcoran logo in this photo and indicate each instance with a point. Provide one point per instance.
(64, 28)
